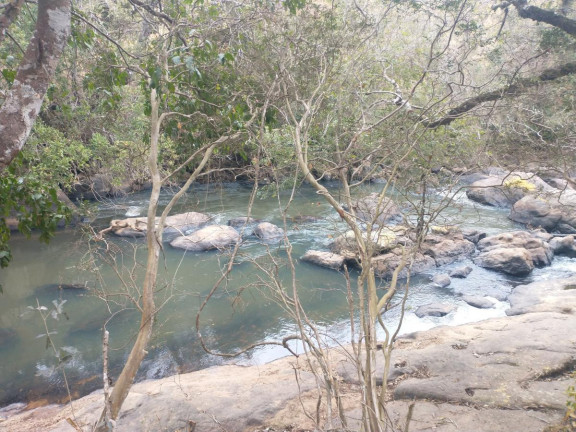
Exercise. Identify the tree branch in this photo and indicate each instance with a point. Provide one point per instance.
(546, 16)
(511, 90)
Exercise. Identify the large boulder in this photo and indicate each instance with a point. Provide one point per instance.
(370, 209)
(447, 248)
(514, 261)
(552, 211)
(441, 280)
(563, 245)
(385, 265)
(208, 238)
(324, 259)
(541, 253)
(505, 190)
(179, 223)
(268, 231)
(381, 240)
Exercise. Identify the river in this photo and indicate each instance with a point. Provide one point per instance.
(242, 311)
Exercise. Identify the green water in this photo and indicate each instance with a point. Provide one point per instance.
(241, 312)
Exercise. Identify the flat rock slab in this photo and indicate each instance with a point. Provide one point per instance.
(225, 398)
(506, 363)
(557, 295)
(446, 417)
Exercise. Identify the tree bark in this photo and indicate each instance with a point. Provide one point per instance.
(514, 89)
(11, 11)
(24, 100)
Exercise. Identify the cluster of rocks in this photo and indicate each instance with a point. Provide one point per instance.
(190, 231)
(549, 204)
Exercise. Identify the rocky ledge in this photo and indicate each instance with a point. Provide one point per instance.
(503, 374)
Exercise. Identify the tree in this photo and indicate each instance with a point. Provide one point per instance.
(24, 99)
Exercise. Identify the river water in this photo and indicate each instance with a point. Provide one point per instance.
(241, 312)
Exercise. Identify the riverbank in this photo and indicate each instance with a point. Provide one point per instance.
(501, 374)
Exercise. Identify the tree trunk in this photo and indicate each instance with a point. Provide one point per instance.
(24, 100)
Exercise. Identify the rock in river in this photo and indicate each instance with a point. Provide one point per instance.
(324, 259)
(370, 209)
(179, 223)
(434, 310)
(514, 261)
(208, 238)
(268, 231)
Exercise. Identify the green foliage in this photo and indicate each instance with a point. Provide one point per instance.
(53, 159)
(31, 203)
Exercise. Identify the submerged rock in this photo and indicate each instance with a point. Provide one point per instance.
(208, 238)
(241, 221)
(179, 223)
(268, 231)
(324, 259)
(434, 310)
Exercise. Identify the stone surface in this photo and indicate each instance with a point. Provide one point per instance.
(555, 212)
(434, 310)
(368, 210)
(225, 398)
(384, 265)
(505, 190)
(179, 223)
(324, 259)
(381, 240)
(558, 295)
(514, 261)
(441, 280)
(564, 246)
(446, 249)
(478, 302)
(268, 231)
(208, 238)
(473, 235)
(540, 251)
(461, 272)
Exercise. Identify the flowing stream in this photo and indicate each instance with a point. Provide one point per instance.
(241, 312)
